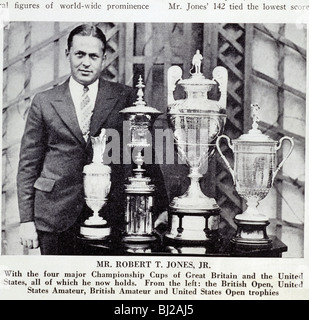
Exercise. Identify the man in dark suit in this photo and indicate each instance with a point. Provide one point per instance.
(56, 146)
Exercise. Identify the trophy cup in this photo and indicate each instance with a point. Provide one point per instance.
(97, 185)
(253, 175)
(139, 191)
(196, 122)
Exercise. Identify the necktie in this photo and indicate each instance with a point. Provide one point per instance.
(86, 113)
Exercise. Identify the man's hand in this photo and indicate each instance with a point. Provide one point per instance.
(28, 235)
(162, 219)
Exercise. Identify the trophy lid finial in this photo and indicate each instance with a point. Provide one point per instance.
(140, 106)
(140, 93)
(255, 134)
(255, 108)
(197, 62)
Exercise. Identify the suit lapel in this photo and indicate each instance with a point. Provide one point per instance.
(64, 106)
(105, 102)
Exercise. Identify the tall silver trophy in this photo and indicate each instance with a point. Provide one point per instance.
(254, 172)
(97, 183)
(139, 191)
(196, 121)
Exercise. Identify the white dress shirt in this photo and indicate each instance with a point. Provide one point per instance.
(77, 91)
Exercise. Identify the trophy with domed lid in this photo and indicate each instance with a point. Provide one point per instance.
(196, 121)
(254, 172)
(139, 191)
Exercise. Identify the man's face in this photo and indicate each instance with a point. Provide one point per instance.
(86, 59)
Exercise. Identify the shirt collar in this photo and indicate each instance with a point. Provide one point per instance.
(77, 87)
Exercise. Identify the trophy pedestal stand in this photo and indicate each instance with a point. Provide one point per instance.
(95, 232)
(196, 228)
(142, 240)
(139, 207)
(251, 234)
(95, 228)
(194, 218)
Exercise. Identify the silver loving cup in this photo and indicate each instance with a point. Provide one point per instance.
(196, 121)
(254, 172)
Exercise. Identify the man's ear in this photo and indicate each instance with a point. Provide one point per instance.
(67, 52)
(103, 61)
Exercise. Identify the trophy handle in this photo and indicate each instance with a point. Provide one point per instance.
(174, 74)
(221, 76)
(286, 157)
(222, 155)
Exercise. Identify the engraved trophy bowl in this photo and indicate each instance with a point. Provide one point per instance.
(97, 184)
(255, 158)
(196, 123)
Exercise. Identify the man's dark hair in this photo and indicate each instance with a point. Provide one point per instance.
(87, 30)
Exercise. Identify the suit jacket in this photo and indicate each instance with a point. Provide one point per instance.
(54, 152)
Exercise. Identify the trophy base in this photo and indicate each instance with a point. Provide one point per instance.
(95, 232)
(133, 243)
(195, 228)
(251, 234)
(140, 244)
(139, 238)
(193, 205)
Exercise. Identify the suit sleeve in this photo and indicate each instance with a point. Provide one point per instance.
(32, 153)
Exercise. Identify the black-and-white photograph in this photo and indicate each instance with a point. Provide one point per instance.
(163, 139)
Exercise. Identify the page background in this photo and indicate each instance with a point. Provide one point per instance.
(158, 13)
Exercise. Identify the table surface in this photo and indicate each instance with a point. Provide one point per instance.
(222, 248)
